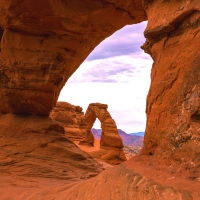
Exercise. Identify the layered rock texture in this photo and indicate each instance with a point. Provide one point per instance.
(78, 128)
(34, 150)
(110, 143)
(135, 179)
(72, 119)
(42, 44)
(173, 102)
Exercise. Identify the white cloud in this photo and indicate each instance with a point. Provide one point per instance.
(117, 73)
(115, 69)
(123, 42)
(126, 101)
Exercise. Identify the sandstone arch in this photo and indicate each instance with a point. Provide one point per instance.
(110, 136)
(111, 145)
(44, 42)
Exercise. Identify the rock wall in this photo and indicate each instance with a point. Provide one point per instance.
(44, 42)
(42, 45)
(72, 119)
(173, 102)
(36, 147)
(78, 126)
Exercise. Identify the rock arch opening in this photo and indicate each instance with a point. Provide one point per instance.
(109, 136)
(45, 42)
(117, 72)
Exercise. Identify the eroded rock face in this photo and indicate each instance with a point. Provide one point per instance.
(72, 119)
(33, 146)
(132, 180)
(110, 143)
(44, 42)
(78, 126)
(109, 136)
(173, 103)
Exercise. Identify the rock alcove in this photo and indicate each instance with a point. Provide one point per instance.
(43, 43)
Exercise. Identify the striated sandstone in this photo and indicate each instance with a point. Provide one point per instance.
(44, 42)
(136, 179)
(111, 145)
(72, 119)
(37, 146)
(173, 102)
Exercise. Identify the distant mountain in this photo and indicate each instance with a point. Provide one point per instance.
(128, 139)
(138, 134)
(96, 133)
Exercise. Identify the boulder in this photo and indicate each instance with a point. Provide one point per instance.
(66, 114)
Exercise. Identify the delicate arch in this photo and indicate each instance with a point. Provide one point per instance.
(110, 136)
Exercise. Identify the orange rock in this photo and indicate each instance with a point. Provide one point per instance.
(78, 128)
(65, 113)
(173, 103)
(44, 42)
(37, 146)
(111, 146)
(42, 45)
(135, 179)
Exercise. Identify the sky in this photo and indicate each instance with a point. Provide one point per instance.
(116, 73)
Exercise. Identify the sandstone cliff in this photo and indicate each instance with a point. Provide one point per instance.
(72, 119)
(78, 128)
(42, 44)
(173, 103)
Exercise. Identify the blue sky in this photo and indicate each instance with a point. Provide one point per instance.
(116, 73)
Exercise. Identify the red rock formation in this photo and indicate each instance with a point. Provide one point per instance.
(37, 147)
(44, 42)
(81, 119)
(71, 118)
(173, 103)
(110, 136)
(111, 146)
(78, 128)
(134, 179)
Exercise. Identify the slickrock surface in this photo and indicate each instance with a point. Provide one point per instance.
(111, 146)
(35, 149)
(42, 43)
(140, 178)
